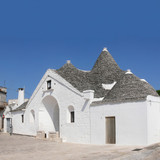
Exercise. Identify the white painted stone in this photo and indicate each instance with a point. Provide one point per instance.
(68, 61)
(108, 86)
(128, 72)
(143, 80)
(98, 99)
(88, 94)
(105, 49)
(131, 126)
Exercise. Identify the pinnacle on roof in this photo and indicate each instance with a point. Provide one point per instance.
(105, 62)
(128, 71)
(106, 67)
(106, 71)
(68, 61)
(105, 49)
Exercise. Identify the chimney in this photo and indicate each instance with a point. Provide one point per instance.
(20, 96)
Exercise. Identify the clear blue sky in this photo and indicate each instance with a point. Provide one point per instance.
(39, 34)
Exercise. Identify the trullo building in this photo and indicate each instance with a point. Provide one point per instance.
(101, 106)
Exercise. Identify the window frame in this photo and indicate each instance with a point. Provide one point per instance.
(70, 114)
(72, 118)
(49, 84)
(22, 116)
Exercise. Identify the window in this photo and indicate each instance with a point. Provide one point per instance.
(49, 84)
(22, 118)
(72, 117)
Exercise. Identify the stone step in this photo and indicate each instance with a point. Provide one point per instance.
(53, 136)
(58, 140)
(40, 135)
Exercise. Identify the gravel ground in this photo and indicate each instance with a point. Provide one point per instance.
(25, 148)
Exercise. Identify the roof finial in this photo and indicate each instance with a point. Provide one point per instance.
(68, 61)
(105, 49)
(128, 71)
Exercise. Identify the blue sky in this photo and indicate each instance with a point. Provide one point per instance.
(39, 34)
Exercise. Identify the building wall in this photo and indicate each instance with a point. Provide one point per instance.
(131, 123)
(153, 112)
(3, 93)
(65, 96)
(20, 127)
(2, 97)
(137, 123)
(3, 103)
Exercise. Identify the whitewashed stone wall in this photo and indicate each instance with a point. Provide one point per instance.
(137, 123)
(65, 95)
(131, 123)
(153, 113)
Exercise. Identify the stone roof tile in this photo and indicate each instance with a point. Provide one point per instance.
(106, 71)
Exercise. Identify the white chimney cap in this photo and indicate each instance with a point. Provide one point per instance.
(68, 61)
(105, 49)
(128, 71)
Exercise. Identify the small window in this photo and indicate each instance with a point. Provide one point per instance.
(22, 118)
(72, 117)
(49, 84)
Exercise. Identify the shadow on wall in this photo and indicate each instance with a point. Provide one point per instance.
(85, 105)
(51, 106)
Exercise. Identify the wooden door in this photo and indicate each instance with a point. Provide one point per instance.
(110, 130)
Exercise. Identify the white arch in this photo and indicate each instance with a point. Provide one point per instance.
(49, 115)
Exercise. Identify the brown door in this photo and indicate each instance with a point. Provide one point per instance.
(110, 130)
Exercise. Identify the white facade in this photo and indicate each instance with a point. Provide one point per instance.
(49, 110)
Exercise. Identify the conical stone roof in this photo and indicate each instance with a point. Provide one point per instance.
(130, 88)
(74, 76)
(106, 71)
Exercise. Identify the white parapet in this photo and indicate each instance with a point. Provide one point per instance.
(88, 94)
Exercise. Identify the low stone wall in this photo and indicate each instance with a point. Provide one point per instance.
(40, 135)
(52, 136)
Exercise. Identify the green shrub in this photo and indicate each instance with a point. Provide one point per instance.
(158, 91)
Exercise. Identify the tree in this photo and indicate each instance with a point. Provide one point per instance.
(158, 91)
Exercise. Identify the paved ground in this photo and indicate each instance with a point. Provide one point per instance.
(28, 148)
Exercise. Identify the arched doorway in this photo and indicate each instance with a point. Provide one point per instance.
(49, 115)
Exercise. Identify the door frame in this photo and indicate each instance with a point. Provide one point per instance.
(106, 135)
(9, 125)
